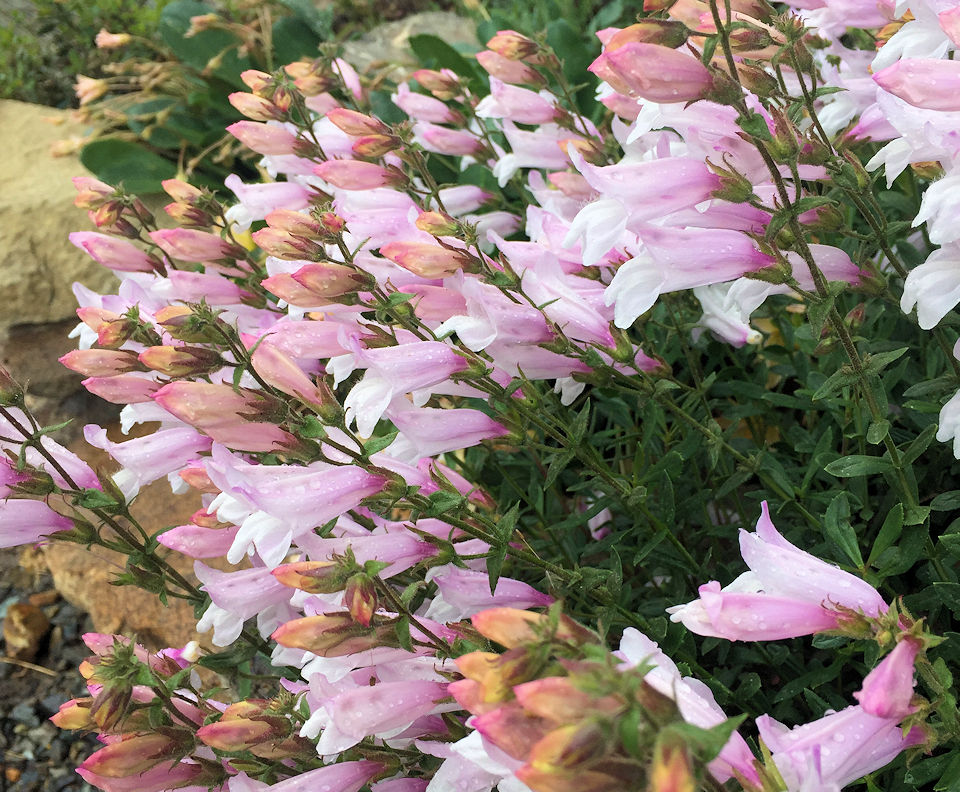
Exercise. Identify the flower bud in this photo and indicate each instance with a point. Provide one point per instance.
(91, 192)
(586, 148)
(328, 280)
(184, 361)
(107, 40)
(235, 734)
(442, 84)
(134, 755)
(182, 192)
(428, 260)
(570, 746)
(665, 32)
(356, 124)
(256, 107)
(356, 175)
(283, 245)
(261, 83)
(315, 577)
(296, 223)
(672, 770)
(101, 362)
(360, 598)
(512, 45)
(11, 394)
(75, 714)
(333, 635)
(114, 333)
(513, 72)
(374, 146)
(511, 627)
(757, 80)
(437, 223)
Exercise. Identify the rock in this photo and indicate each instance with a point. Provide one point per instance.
(83, 577)
(24, 628)
(388, 44)
(38, 264)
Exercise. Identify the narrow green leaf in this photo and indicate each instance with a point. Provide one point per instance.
(858, 465)
(889, 533)
(837, 528)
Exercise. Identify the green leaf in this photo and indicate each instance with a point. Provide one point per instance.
(946, 501)
(837, 528)
(198, 50)
(754, 125)
(227, 662)
(839, 379)
(95, 499)
(889, 533)
(858, 465)
(402, 629)
(293, 39)
(443, 501)
(875, 363)
(949, 595)
(375, 444)
(434, 52)
(877, 431)
(319, 20)
(117, 161)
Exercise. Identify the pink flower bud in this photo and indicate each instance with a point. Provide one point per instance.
(442, 140)
(181, 191)
(656, 73)
(443, 84)
(101, 362)
(89, 90)
(356, 124)
(513, 72)
(516, 104)
(424, 108)
(266, 139)
(133, 755)
(184, 361)
(923, 82)
(236, 734)
(328, 280)
(428, 260)
(284, 245)
(512, 45)
(256, 107)
(113, 253)
(123, 389)
(91, 193)
(257, 81)
(191, 245)
(333, 635)
(355, 175)
(279, 371)
(888, 689)
(107, 40)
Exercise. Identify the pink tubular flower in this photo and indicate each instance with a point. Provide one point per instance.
(192, 245)
(786, 593)
(516, 104)
(357, 175)
(101, 362)
(423, 108)
(512, 72)
(923, 82)
(442, 140)
(268, 138)
(122, 388)
(116, 254)
(160, 778)
(888, 689)
(434, 431)
(830, 753)
(228, 416)
(652, 72)
(28, 521)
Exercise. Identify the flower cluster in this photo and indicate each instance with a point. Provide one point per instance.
(330, 361)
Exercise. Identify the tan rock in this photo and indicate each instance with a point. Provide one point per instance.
(83, 577)
(37, 262)
(24, 628)
(389, 43)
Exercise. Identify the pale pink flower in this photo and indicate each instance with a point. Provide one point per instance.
(653, 72)
(516, 104)
(117, 254)
(786, 593)
(271, 137)
(932, 84)
(888, 688)
(28, 521)
(423, 108)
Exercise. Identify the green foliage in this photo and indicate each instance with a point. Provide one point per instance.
(44, 44)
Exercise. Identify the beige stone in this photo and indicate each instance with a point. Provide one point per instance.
(37, 262)
(388, 44)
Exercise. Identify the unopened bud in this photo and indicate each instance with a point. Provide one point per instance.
(356, 124)
(666, 32)
(334, 635)
(437, 223)
(570, 746)
(256, 107)
(287, 246)
(115, 333)
(11, 394)
(672, 770)
(429, 260)
(360, 598)
(757, 80)
(200, 23)
(182, 192)
(107, 40)
(261, 83)
(184, 361)
(315, 577)
(512, 45)
(333, 223)
(106, 214)
(442, 84)
(734, 186)
(749, 39)
(374, 146)
(295, 223)
(327, 279)
(586, 148)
